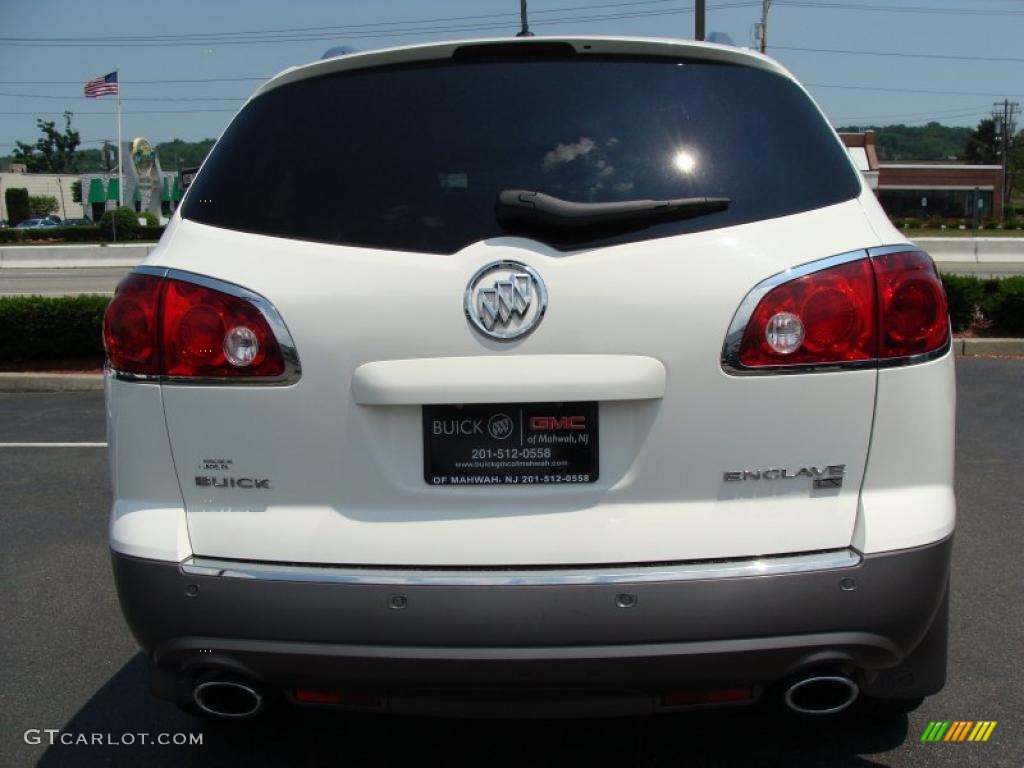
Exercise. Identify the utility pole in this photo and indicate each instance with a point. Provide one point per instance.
(1004, 116)
(698, 20)
(763, 28)
(524, 30)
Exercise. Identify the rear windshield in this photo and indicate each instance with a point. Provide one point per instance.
(413, 158)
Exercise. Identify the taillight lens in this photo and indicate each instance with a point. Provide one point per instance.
(129, 326)
(912, 311)
(163, 326)
(885, 307)
(834, 309)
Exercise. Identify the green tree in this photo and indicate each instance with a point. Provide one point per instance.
(41, 205)
(933, 141)
(17, 204)
(981, 147)
(185, 154)
(54, 152)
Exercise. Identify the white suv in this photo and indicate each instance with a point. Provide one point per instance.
(533, 376)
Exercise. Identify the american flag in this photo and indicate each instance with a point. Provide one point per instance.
(105, 85)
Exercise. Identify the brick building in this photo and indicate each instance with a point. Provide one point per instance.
(946, 189)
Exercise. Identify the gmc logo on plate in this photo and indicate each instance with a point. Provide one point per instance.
(557, 423)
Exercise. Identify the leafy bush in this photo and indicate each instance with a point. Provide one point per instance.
(151, 218)
(42, 233)
(150, 233)
(911, 223)
(964, 295)
(1005, 306)
(41, 205)
(18, 208)
(83, 234)
(47, 328)
(127, 224)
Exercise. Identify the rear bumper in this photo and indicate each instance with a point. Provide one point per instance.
(428, 641)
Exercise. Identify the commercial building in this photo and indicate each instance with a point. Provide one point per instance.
(147, 186)
(922, 189)
(57, 186)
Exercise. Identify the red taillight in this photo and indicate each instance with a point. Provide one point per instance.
(836, 308)
(888, 306)
(913, 316)
(129, 326)
(163, 326)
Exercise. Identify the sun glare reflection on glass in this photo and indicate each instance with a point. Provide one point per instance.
(684, 161)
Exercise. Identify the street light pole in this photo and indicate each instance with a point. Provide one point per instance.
(698, 20)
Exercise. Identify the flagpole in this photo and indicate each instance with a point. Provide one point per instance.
(120, 164)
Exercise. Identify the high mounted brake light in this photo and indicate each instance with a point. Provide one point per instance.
(185, 328)
(859, 310)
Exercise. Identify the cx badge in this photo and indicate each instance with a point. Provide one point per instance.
(505, 300)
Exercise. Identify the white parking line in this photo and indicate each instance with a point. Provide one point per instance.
(53, 445)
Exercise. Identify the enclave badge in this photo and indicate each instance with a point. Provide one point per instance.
(505, 300)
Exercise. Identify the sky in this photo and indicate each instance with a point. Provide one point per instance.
(865, 61)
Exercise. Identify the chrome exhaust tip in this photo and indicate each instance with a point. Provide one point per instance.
(227, 698)
(821, 694)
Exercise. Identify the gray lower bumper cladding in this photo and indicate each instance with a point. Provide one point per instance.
(633, 633)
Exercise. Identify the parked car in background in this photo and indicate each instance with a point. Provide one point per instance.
(605, 387)
(77, 223)
(37, 223)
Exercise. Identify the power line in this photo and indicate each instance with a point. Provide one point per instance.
(129, 98)
(903, 90)
(900, 54)
(141, 82)
(324, 33)
(192, 37)
(899, 8)
(916, 116)
(133, 112)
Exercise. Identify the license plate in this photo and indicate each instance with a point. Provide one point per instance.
(510, 444)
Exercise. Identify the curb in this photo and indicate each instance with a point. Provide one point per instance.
(986, 347)
(51, 382)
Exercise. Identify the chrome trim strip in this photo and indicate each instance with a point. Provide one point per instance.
(734, 337)
(292, 367)
(671, 572)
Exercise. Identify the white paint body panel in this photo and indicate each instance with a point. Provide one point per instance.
(147, 518)
(380, 333)
(347, 479)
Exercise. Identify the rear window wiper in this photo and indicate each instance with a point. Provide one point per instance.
(522, 209)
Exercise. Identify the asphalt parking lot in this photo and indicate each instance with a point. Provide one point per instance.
(67, 660)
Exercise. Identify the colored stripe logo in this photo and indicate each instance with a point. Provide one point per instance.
(959, 730)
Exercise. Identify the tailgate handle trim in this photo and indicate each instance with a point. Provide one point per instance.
(509, 378)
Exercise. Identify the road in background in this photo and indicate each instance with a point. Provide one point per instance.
(60, 282)
(69, 661)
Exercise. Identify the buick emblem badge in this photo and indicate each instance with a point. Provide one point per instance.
(505, 300)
